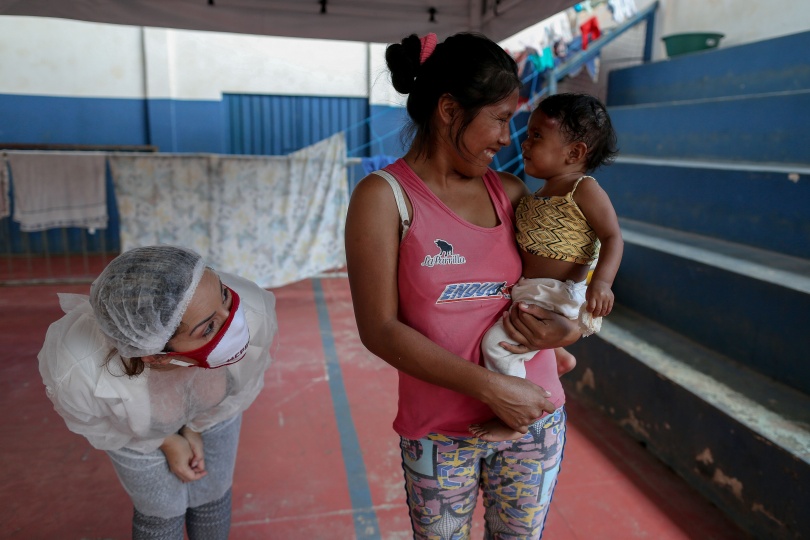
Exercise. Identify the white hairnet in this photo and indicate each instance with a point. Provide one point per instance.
(140, 298)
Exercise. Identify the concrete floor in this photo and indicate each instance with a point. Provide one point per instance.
(318, 458)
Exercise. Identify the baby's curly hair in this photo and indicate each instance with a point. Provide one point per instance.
(584, 118)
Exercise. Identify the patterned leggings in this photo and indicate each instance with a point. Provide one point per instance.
(517, 478)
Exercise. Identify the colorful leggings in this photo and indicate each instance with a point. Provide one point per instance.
(517, 478)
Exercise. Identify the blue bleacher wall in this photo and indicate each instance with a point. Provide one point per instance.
(702, 358)
(775, 65)
(715, 143)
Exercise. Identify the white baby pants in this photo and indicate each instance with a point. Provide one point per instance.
(564, 297)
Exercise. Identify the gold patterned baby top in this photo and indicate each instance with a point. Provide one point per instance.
(555, 227)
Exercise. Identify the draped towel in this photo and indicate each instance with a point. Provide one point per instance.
(59, 189)
(271, 219)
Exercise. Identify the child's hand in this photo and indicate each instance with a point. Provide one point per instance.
(599, 299)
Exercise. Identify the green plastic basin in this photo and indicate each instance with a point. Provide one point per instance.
(678, 44)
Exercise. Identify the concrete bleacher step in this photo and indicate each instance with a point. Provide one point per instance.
(773, 65)
(746, 303)
(758, 204)
(738, 437)
(762, 127)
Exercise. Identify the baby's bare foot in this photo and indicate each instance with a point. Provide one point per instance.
(494, 431)
(565, 361)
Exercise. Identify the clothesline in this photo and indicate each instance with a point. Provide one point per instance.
(5, 153)
(273, 219)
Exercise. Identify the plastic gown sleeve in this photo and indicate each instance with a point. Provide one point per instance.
(70, 364)
(99, 401)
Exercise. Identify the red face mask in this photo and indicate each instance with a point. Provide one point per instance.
(228, 346)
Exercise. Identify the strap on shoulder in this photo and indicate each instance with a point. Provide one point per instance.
(581, 178)
(400, 198)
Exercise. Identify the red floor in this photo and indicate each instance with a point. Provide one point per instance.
(318, 458)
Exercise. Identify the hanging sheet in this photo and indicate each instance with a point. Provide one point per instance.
(59, 189)
(163, 199)
(274, 220)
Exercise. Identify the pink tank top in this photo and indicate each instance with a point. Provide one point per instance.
(451, 277)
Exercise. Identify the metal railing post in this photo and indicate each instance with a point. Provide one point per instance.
(648, 36)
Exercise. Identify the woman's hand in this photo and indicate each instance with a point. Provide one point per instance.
(534, 328)
(179, 456)
(518, 402)
(195, 441)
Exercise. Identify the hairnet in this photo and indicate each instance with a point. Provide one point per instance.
(140, 298)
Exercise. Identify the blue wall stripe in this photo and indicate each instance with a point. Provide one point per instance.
(68, 120)
(365, 519)
(277, 125)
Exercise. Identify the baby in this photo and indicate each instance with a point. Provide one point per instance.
(560, 229)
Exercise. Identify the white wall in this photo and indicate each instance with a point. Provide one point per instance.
(381, 92)
(741, 21)
(206, 64)
(53, 57)
(56, 57)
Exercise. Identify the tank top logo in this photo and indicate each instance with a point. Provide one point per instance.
(445, 256)
(458, 292)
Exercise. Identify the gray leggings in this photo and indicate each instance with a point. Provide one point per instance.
(211, 521)
(156, 491)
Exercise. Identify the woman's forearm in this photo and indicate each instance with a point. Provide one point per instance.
(409, 351)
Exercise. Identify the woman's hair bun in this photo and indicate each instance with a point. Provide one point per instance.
(403, 62)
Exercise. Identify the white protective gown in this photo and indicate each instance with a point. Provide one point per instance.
(84, 379)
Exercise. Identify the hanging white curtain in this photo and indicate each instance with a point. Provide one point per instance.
(274, 220)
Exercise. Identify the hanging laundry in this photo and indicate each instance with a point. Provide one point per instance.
(541, 35)
(560, 49)
(622, 9)
(590, 31)
(59, 189)
(282, 220)
(520, 59)
(543, 60)
(559, 28)
(275, 220)
(529, 78)
(592, 65)
(5, 203)
(163, 199)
